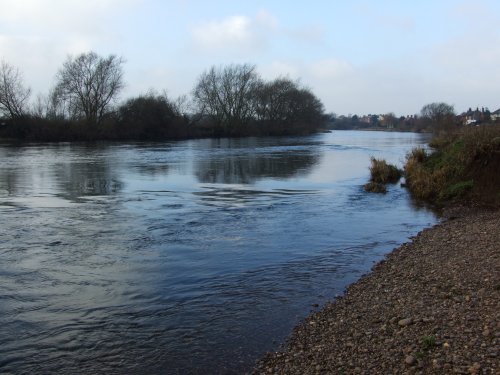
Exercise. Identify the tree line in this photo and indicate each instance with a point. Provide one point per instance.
(433, 117)
(230, 100)
(436, 117)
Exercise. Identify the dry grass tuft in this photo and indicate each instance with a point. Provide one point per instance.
(375, 187)
(384, 173)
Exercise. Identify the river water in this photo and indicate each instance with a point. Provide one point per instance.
(185, 257)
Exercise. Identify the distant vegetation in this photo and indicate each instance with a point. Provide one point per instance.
(433, 118)
(230, 100)
(227, 101)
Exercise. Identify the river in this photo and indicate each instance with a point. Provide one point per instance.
(194, 256)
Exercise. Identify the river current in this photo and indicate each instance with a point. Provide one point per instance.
(185, 257)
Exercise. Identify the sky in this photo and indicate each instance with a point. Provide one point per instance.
(358, 57)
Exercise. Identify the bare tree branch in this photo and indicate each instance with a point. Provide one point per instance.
(13, 93)
(440, 115)
(225, 93)
(88, 84)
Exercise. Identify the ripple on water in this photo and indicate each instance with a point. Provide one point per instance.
(138, 258)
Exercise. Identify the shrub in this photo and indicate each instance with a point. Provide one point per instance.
(423, 182)
(418, 154)
(458, 190)
(375, 187)
(462, 167)
(383, 173)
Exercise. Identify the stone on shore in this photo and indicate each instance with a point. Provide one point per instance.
(431, 307)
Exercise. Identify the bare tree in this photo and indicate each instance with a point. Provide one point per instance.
(13, 93)
(182, 105)
(88, 84)
(285, 103)
(307, 108)
(440, 115)
(274, 100)
(226, 94)
(389, 120)
(41, 106)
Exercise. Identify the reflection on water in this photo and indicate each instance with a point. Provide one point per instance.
(235, 165)
(69, 171)
(184, 257)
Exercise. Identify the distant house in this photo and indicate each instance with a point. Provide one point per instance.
(495, 116)
(478, 116)
(365, 119)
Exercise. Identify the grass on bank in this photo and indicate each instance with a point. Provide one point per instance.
(382, 173)
(463, 167)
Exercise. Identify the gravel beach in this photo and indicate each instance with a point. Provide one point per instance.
(431, 307)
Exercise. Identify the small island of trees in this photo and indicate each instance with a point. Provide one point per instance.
(230, 100)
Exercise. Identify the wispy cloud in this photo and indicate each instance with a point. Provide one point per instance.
(230, 32)
(279, 68)
(238, 32)
(38, 35)
(251, 34)
(330, 68)
(60, 15)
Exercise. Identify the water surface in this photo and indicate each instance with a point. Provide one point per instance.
(185, 257)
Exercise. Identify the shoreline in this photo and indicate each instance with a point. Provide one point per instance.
(432, 306)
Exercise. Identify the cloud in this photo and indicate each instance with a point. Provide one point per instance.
(470, 59)
(473, 11)
(37, 36)
(250, 34)
(37, 16)
(267, 20)
(396, 23)
(330, 69)
(381, 17)
(231, 32)
(388, 86)
(277, 69)
(466, 53)
(468, 67)
(235, 33)
(305, 34)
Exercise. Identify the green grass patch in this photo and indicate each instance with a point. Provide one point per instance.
(428, 342)
(458, 190)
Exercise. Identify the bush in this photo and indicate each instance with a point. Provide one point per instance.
(458, 190)
(418, 154)
(150, 116)
(375, 187)
(423, 182)
(463, 167)
(384, 173)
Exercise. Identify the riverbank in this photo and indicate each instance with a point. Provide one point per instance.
(431, 307)
(461, 169)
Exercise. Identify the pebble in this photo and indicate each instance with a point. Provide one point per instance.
(410, 360)
(379, 324)
(475, 368)
(405, 322)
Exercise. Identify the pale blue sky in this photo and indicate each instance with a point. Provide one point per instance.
(358, 56)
